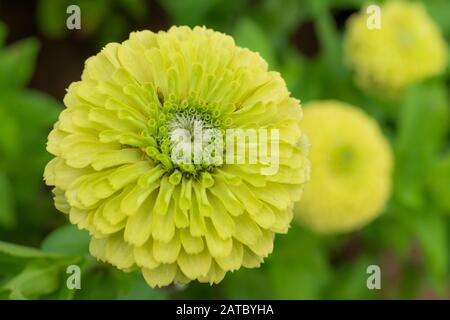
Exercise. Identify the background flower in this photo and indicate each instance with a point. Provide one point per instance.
(351, 171)
(406, 48)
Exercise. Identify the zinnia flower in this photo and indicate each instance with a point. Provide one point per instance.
(351, 168)
(406, 48)
(115, 147)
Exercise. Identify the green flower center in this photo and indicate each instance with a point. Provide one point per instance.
(344, 159)
(188, 137)
(405, 37)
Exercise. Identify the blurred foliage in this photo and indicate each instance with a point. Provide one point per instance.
(25, 117)
(410, 241)
(105, 20)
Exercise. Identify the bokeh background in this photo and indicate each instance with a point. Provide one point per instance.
(302, 39)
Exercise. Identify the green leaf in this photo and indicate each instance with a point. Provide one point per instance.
(422, 125)
(17, 63)
(249, 35)
(35, 108)
(67, 240)
(7, 214)
(16, 250)
(28, 273)
(37, 279)
(10, 265)
(439, 182)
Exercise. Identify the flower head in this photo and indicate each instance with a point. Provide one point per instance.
(351, 168)
(139, 155)
(406, 48)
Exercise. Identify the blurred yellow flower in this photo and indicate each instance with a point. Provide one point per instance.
(115, 172)
(351, 168)
(408, 47)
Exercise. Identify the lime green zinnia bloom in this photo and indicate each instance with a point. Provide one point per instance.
(351, 168)
(114, 171)
(408, 47)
